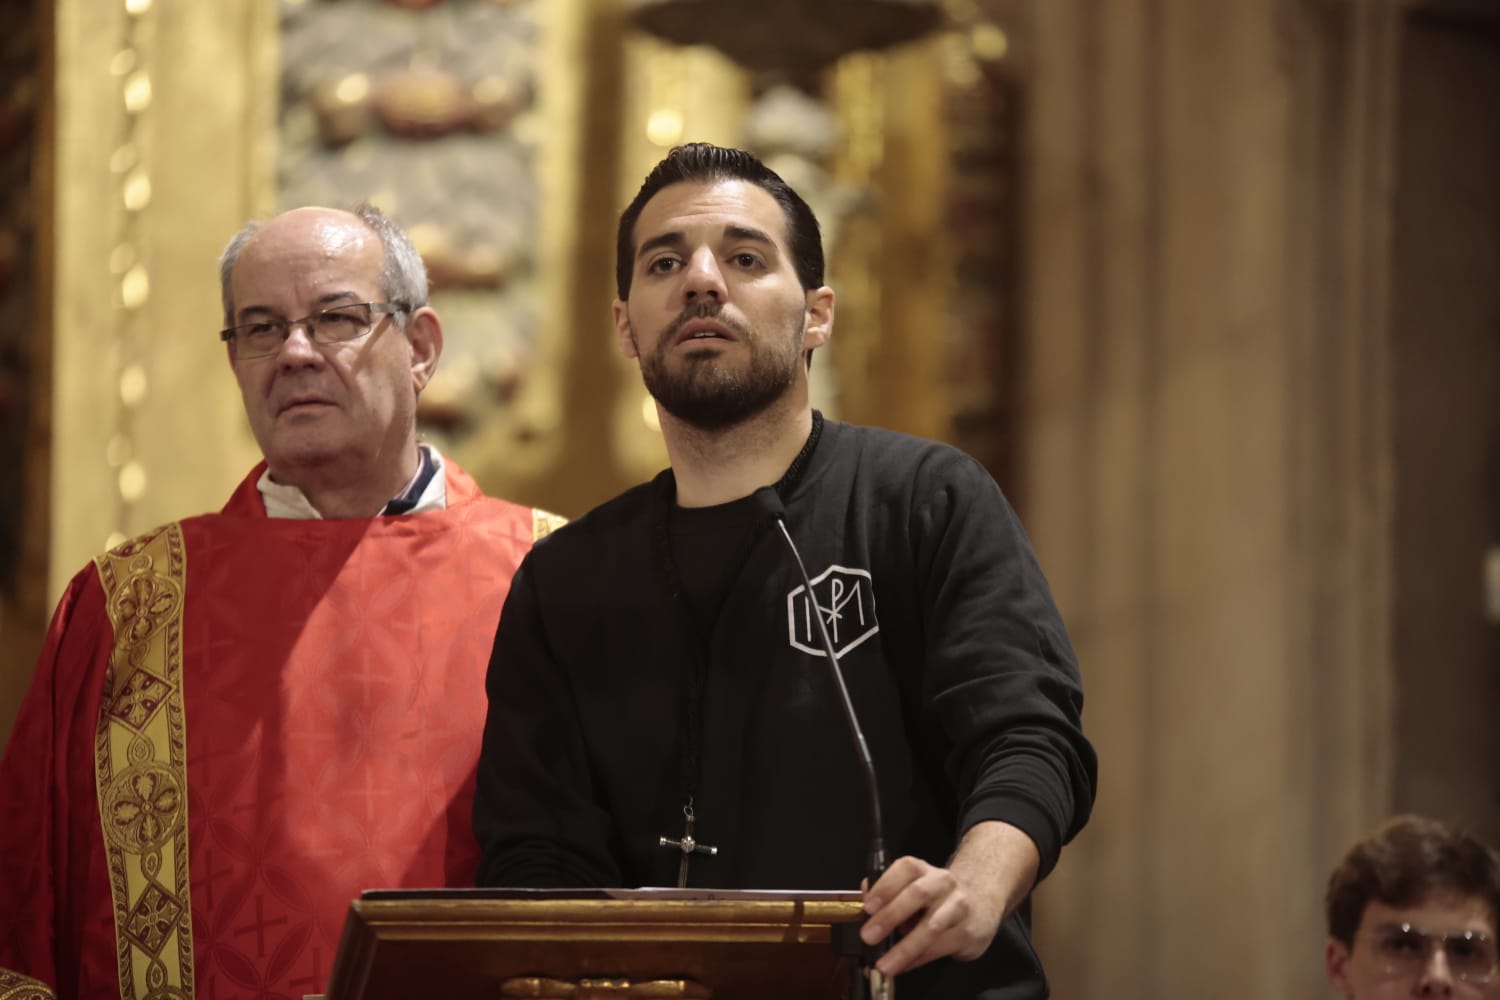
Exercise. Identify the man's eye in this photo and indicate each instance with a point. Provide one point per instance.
(662, 265)
(747, 260)
(338, 320)
(1402, 944)
(259, 329)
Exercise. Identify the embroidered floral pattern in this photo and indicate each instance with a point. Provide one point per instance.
(139, 699)
(143, 604)
(144, 803)
(153, 919)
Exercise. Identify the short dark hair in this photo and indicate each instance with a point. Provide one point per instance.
(1405, 862)
(702, 162)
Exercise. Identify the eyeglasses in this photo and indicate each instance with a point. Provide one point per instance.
(337, 325)
(1404, 950)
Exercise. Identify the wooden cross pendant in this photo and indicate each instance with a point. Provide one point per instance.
(688, 845)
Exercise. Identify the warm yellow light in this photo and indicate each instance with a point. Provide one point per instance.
(135, 288)
(352, 89)
(138, 92)
(133, 385)
(989, 42)
(649, 415)
(132, 482)
(137, 193)
(137, 7)
(664, 127)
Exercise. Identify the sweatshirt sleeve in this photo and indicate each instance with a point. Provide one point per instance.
(535, 811)
(1001, 675)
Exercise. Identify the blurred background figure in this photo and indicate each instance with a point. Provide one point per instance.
(1412, 912)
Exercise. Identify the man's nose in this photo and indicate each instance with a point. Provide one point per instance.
(297, 349)
(704, 279)
(1437, 977)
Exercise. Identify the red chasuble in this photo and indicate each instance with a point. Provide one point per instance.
(237, 725)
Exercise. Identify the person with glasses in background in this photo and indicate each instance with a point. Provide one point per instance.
(1412, 912)
(241, 720)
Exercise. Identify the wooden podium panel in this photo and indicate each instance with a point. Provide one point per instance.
(611, 945)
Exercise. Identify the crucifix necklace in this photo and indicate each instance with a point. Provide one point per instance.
(691, 731)
(687, 844)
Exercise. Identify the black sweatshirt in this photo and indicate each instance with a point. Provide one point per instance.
(649, 654)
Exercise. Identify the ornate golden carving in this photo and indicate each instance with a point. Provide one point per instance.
(546, 988)
(342, 107)
(422, 103)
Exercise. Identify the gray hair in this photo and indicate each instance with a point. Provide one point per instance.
(403, 276)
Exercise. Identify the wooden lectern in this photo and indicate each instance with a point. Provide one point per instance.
(642, 944)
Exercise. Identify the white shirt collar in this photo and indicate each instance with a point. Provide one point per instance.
(285, 501)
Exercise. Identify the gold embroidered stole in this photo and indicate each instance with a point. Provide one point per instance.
(140, 761)
(14, 986)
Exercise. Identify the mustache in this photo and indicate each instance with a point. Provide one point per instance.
(707, 309)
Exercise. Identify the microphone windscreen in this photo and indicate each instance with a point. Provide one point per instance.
(768, 501)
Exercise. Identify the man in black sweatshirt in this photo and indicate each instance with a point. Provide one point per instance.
(661, 709)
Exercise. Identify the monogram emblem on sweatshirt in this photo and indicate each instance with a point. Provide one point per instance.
(844, 599)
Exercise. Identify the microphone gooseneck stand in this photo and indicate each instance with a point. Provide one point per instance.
(867, 981)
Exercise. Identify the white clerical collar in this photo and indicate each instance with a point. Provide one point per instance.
(284, 500)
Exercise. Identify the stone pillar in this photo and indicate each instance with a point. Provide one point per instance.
(1205, 453)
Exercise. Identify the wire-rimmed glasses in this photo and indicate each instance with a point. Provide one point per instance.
(335, 325)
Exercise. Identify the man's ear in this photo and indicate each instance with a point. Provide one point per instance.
(1336, 968)
(425, 332)
(819, 326)
(623, 333)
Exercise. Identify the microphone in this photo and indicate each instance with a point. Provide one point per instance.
(871, 984)
(768, 500)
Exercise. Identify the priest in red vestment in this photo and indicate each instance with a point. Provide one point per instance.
(241, 720)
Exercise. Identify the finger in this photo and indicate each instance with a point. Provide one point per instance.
(892, 913)
(912, 901)
(944, 930)
(902, 872)
(912, 952)
(891, 885)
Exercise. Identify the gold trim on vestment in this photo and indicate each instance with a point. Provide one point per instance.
(14, 986)
(140, 760)
(544, 523)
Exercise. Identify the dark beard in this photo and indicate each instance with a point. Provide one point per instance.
(706, 393)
